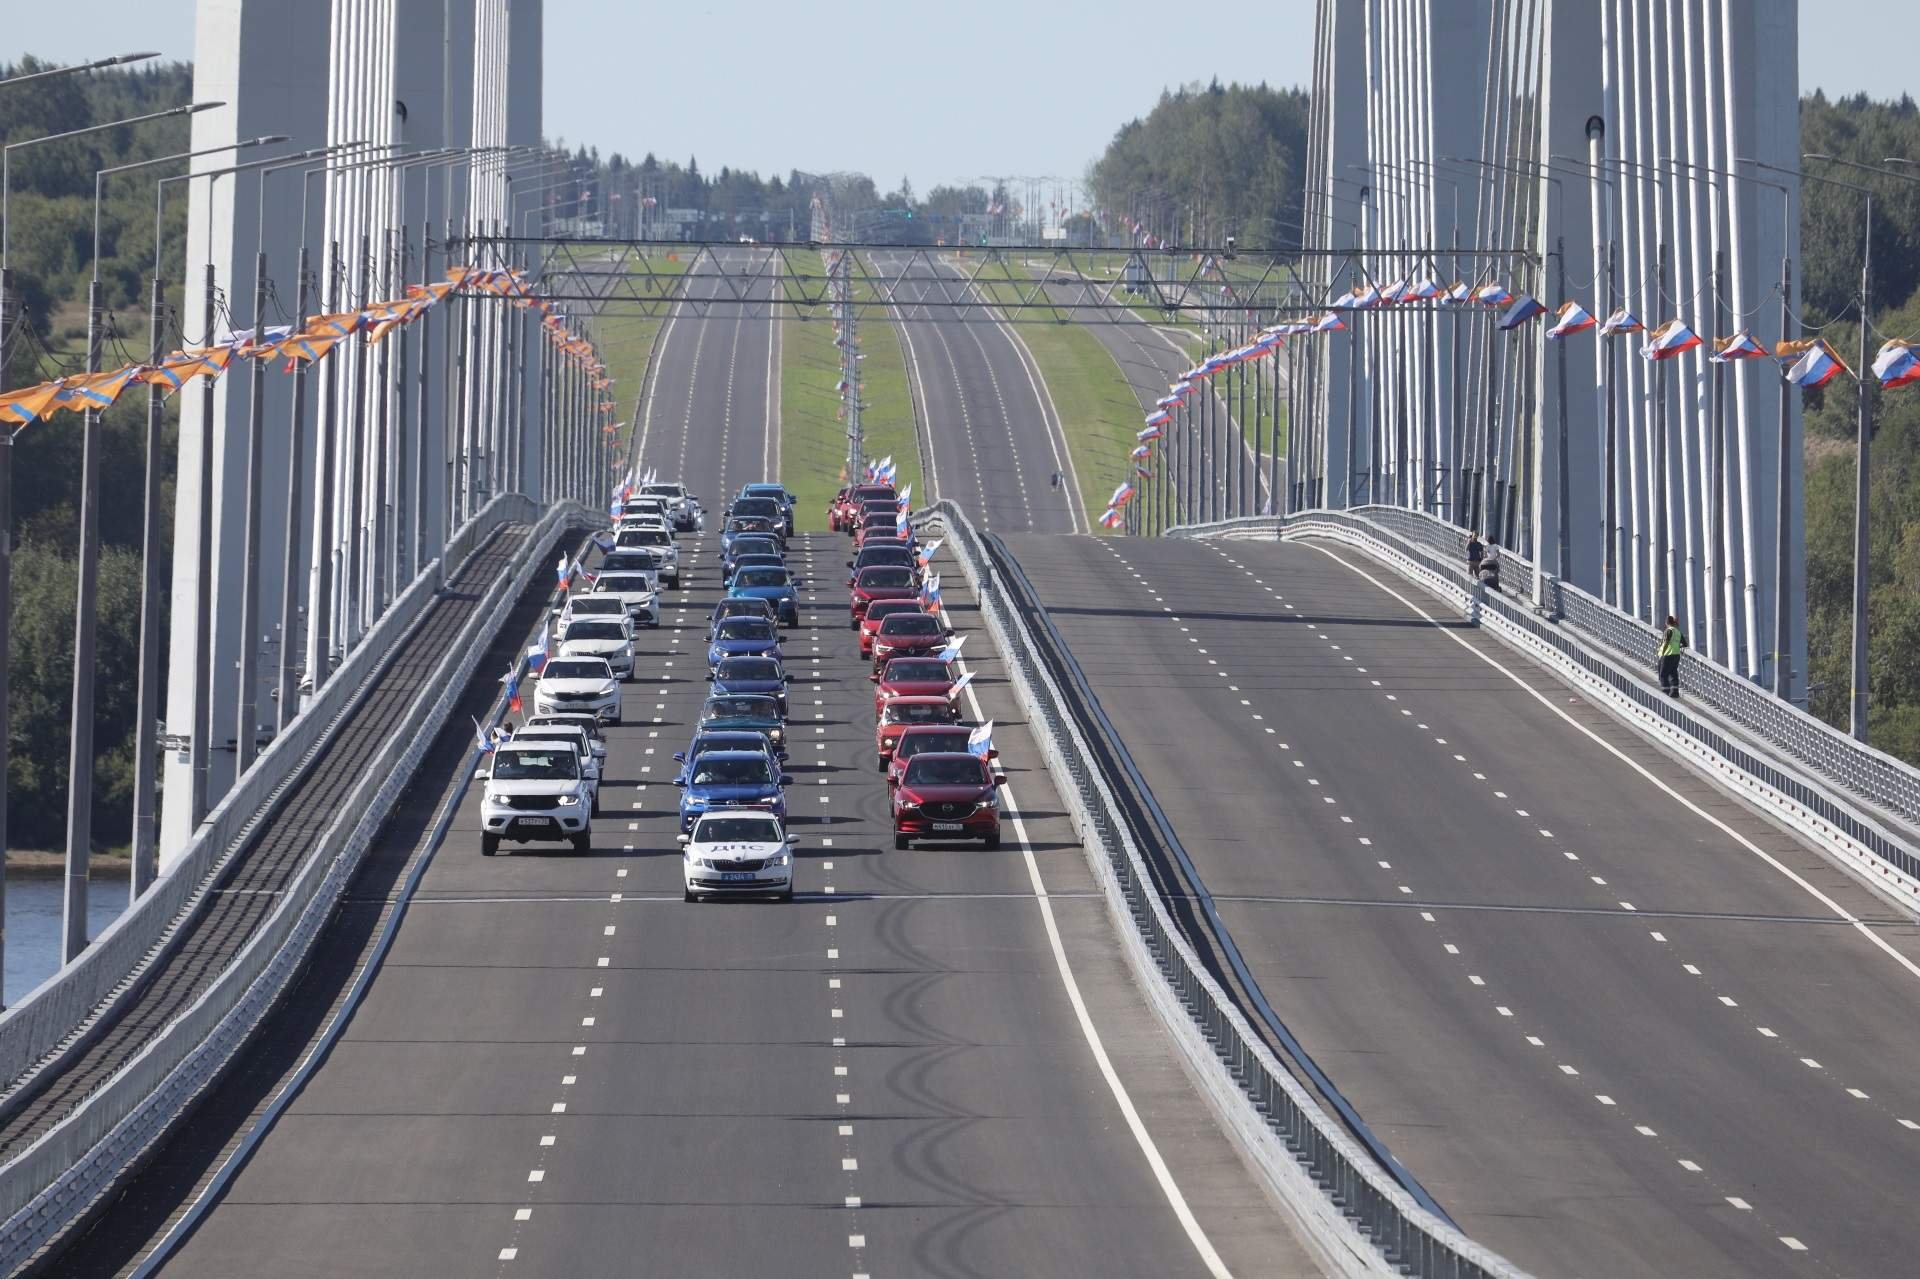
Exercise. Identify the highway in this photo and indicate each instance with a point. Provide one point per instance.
(932, 1062)
(993, 433)
(1612, 1020)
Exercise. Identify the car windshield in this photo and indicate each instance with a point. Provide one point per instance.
(661, 490)
(886, 576)
(761, 577)
(576, 669)
(903, 668)
(887, 556)
(555, 735)
(651, 537)
(740, 608)
(744, 628)
(926, 713)
(755, 544)
(912, 744)
(766, 507)
(722, 709)
(945, 770)
(726, 742)
(721, 771)
(736, 830)
(618, 560)
(910, 624)
(596, 631)
(541, 765)
(585, 604)
(890, 608)
(585, 723)
(749, 668)
(625, 584)
(750, 524)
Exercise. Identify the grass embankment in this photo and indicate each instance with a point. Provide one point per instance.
(627, 338)
(813, 441)
(1099, 412)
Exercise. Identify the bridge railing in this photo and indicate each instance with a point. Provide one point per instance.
(47, 1184)
(1598, 644)
(1332, 1183)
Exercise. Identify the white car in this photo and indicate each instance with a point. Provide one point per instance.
(657, 542)
(535, 791)
(682, 507)
(737, 851)
(641, 507)
(568, 735)
(581, 684)
(588, 604)
(596, 741)
(604, 637)
(636, 593)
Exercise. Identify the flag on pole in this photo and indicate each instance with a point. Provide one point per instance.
(537, 655)
(1111, 519)
(1141, 450)
(951, 653)
(1621, 321)
(1524, 308)
(1121, 495)
(953, 694)
(1491, 294)
(1457, 293)
(1741, 346)
(1897, 364)
(1669, 340)
(980, 741)
(925, 553)
(1149, 433)
(1329, 323)
(563, 572)
(1817, 367)
(1570, 319)
(482, 740)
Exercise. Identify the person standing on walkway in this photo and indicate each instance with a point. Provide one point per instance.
(1672, 644)
(1489, 569)
(1475, 551)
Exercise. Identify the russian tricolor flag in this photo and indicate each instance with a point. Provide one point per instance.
(925, 554)
(980, 741)
(1121, 495)
(482, 739)
(1141, 450)
(1897, 365)
(1669, 340)
(1111, 519)
(1741, 346)
(1150, 433)
(1524, 308)
(953, 694)
(1621, 321)
(1492, 295)
(537, 656)
(563, 571)
(1571, 318)
(1817, 367)
(1159, 417)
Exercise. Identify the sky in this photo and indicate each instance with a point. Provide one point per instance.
(1000, 87)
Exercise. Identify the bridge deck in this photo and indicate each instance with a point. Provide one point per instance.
(247, 892)
(1614, 1021)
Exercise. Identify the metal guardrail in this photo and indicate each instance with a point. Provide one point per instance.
(56, 1016)
(1290, 1137)
(1591, 640)
(54, 1180)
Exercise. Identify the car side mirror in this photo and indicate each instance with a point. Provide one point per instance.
(873, 677)
(709, 677)
(786, 779)
(483, 773)
(849, 565)
(999, 779)
(679, 757)
(679, 781)
(683, 839)
(786, 679)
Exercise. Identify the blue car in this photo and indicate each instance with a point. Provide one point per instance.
(745, 712)
(731, 779)
(749, 544)
(739, 606)
(752, 675)
(722, 739)
(778, 492)
(742, 637)
(777, 586)
(743, 562)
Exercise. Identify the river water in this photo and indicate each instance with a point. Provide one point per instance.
(33, 925)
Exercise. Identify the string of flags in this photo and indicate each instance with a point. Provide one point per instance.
(312, 341)
(1808, 362)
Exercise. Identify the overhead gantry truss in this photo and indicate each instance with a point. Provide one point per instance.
(1020, 284)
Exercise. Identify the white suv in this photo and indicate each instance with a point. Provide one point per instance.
(737, 851)
(657, 542)
(634, 590)
(568, 735)
(682, 507)
(535, 791)
(605, 637)
(584, 684)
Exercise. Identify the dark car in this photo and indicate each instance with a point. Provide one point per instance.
(722, 739)
(881, 582)
(908, 635)
(947, 796)
(776, 586)
(754, 561)
(746, 712)
(889, 554)
(752, 675)
(740, 606)
(742, 637)
(749, 544)
(731, 779)
(628, 562)
(746, 526)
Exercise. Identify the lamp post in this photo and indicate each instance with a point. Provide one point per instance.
(97, 64)
(146, 715)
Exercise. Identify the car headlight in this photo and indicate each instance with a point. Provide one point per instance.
(568, 801)
(777, 734)
(606, 689)
(781, 858)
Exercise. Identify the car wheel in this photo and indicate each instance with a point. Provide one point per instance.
(900, 843)
(489, 845)
(786, 896)
(583, 842)
(687, 895)
(854, 624)
(593, 809)
(993, 841)
(793, 623)
(883, 763)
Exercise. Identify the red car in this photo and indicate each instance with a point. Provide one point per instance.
(876, 552)
(910, 677)
(881, 582)
(947, 796)
(843, 513)
(918, 739)
(879, 612)
(908, 635)
(902, 712)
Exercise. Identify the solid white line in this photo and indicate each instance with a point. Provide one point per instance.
(1787, 872)
(770, 458)
(1195, 1235)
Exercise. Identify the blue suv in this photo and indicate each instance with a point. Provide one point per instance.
(731, 779)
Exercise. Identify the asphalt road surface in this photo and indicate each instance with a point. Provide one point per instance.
(1613, 1021)
(931, 1063)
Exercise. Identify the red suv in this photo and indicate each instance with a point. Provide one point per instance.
(918, 739)
(910, 677)
(947, 795)
(880, 582)
(908, 635)
(903, 711)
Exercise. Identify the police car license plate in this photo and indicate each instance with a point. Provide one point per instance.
(949, 825)
(736, 876)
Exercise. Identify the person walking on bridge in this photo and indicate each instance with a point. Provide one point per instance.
(1672, 643)
(1475, 551)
